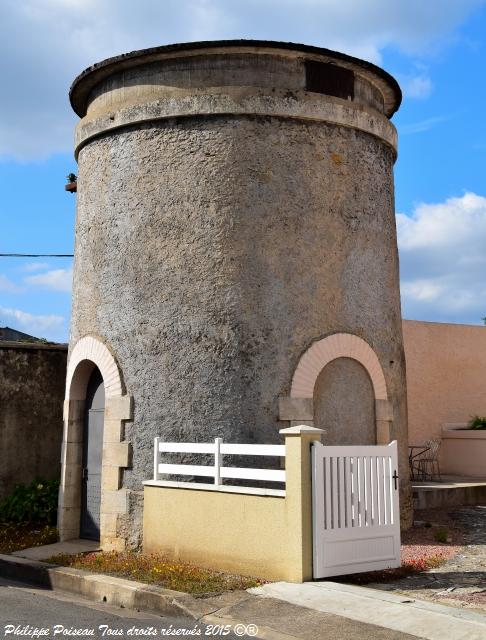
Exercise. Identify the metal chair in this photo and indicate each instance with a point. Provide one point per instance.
(428, 462)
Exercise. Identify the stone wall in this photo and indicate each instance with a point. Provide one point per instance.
(209, 291)
(32, 384)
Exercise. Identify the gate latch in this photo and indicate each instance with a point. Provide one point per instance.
(395, 478)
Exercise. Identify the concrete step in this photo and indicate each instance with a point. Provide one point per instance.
(431, 495)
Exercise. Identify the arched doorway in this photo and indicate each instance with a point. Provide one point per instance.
(94, 413)
(93, 503)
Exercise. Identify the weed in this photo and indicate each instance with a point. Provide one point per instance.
(159, 570)
(440, 535)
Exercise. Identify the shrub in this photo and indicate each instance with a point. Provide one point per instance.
(477, 422)
(34, 503)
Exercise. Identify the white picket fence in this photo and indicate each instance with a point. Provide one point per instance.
(216, 471)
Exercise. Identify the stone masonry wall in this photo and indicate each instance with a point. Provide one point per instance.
(32, 381)
(211, 252)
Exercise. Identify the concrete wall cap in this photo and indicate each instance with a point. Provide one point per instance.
(300, 429)
(39, 346)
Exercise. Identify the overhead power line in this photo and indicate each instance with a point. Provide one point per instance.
(36, 255)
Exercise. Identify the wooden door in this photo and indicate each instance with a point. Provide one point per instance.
(92, 457)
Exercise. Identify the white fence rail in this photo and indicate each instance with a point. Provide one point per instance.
(217, 471)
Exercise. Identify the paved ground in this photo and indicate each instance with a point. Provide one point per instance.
(279, 619)
(461, 581)
(390, 613)
(54, 614)
(50, 550)
(24, 608)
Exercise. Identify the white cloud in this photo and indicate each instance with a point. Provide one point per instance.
(422, 125)
(57, 280)
(34, 266)
(37, 325)
(442, 260)
(422, 290)
(46, 43)
(7, 285)
(419, 86)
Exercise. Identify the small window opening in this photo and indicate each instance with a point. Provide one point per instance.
(323, 77)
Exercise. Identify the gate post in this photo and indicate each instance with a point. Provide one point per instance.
(298, 497)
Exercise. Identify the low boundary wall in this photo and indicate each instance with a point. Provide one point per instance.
(463, 451)
(236, 529)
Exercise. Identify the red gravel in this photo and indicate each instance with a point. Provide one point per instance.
(419, 543)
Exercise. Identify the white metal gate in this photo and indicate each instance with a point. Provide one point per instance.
(356, 522)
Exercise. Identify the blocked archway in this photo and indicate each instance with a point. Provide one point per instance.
(89, 352)
(299, 406)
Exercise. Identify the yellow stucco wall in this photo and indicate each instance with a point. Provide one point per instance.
(446, 375)
(246, 534)
(262, 536)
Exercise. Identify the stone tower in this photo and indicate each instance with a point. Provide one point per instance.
(235, 235)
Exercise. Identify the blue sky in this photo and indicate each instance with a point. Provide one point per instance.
(435, 49)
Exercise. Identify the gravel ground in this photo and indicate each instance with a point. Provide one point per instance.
(459, 581)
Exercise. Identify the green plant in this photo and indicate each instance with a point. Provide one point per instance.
(477, 422)
(440, 535)
(35, 503)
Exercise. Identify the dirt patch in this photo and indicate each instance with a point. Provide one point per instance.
(15, 537)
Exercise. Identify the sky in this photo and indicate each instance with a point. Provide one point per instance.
(435, 48)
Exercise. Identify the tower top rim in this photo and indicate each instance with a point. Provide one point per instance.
(80, 90)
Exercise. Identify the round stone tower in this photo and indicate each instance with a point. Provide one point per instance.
(235, 234)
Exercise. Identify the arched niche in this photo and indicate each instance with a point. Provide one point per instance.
(298, 408)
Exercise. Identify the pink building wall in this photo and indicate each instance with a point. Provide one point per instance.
(446, 378)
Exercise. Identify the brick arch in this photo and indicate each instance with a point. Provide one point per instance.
(298, 408)
(92, 350)
(322, 352)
